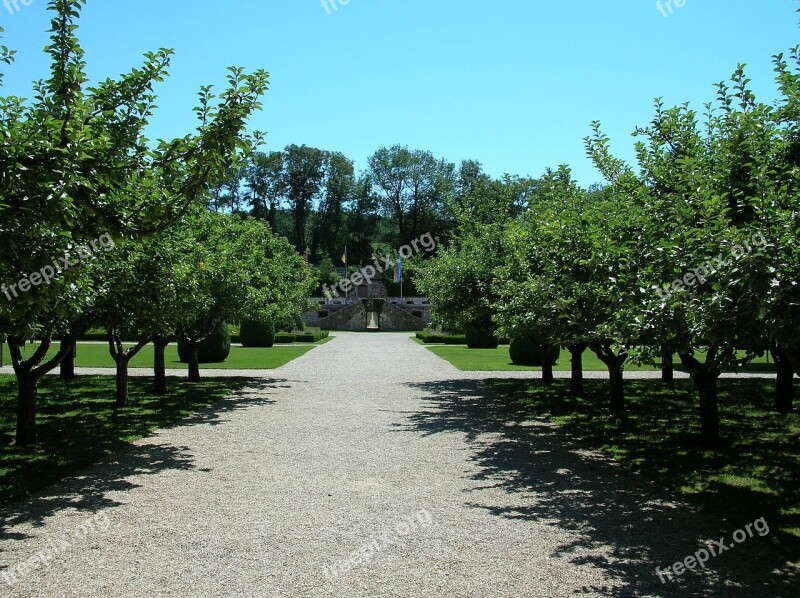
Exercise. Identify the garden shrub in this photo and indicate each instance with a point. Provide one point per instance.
(214, 349)
(253, 333)
(527, 350)
(481, 338)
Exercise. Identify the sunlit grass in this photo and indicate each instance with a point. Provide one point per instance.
(96, 355)
(498, 360)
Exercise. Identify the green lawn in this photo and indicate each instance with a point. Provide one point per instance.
(756, 474)
(96, 355)
(497, 360)
(78, 425)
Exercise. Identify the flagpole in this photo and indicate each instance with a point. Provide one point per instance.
(400, 272)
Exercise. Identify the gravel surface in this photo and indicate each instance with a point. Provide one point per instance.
(367, 467)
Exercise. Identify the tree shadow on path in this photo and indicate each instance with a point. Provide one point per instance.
(87, 491)
(627, 524)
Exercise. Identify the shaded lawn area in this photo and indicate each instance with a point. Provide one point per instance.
(77, 424)
(96, 355)
(756, 473)
(497, 360)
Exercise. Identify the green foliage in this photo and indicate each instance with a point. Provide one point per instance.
(77, 165)
(527, 350)
(253, 333)
(241, 271)
(482, 338)
(313, 336)
(215, 348)
(413, 186)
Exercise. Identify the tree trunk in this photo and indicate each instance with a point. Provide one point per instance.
(784, 387)
(617, 402)
(67, 365)
(667, 369)
(793, 356)
(614, 363)
(29, 372)
(705, 378)
(709, 409)
(26, 407)
(122, 380)
(194, 361)
(576, 377)
(159, 366)
(547, 365)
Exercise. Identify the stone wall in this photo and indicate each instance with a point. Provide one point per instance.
(353, 318)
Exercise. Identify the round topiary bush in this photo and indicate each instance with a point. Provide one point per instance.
(526, 350)
(215, 349)
(481, 338)
(257, 334)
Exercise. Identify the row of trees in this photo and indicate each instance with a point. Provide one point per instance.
(693, 252)
(316, 199)
(76, 165)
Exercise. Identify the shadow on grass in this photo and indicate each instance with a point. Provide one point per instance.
(79, 427)
(554, 478)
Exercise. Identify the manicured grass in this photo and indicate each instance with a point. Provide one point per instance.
(755, 474)
(77, 424)
(96, 355)
(497, 360)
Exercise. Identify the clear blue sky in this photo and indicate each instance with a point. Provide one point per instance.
(512, 83)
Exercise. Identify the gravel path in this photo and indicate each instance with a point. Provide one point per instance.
(367, 467)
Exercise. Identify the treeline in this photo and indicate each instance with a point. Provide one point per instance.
(692, 252)
(315, 198)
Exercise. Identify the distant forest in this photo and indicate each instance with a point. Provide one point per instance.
(317, 200)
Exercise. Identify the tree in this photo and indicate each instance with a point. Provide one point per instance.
(539, 286)
(414, 187)
(780, 224)
(706, 290)
(326, 236)
(305, 174)
(242, 271)
(77, 166)
(266, 180)
(125, 306)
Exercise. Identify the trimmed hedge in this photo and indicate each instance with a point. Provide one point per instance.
(311, 336)
(257, 334)
(306, 336)
(482, 339)
(215, 349)
(430, 337)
